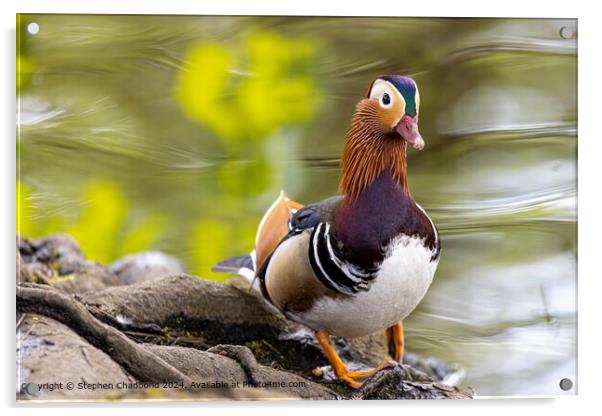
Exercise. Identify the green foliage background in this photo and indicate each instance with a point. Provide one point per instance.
(243, 112)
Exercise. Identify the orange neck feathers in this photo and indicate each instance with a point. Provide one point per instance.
(368, 151)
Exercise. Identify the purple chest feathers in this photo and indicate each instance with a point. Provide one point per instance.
(384, 210)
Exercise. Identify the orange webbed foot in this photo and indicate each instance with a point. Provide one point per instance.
(365, 374)
(339, 367)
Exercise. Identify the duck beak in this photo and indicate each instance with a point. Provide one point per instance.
(407, 128)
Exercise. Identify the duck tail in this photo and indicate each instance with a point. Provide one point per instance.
(242, 265)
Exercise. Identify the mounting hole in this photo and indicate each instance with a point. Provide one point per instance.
(33, 28)
(566, 32)
(32, 389)
(566, 384)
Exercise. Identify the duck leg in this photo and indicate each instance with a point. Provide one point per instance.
(339, 366)
(395, 341)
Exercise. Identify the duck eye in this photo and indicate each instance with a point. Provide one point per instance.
(386, 99)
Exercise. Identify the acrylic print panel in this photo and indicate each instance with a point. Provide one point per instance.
(150, 147)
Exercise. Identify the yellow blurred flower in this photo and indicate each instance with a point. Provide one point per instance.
(276, 88)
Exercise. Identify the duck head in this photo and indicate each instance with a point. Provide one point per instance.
(396, 101)
(384, 123)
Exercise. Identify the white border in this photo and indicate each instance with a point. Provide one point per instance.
(590, 211)
(457, 8)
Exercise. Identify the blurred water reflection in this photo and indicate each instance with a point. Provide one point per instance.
(175, 133)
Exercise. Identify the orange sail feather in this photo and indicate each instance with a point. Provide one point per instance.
(273, 227)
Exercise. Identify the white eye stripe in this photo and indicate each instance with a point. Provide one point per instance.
(417, 101)
(380, 87)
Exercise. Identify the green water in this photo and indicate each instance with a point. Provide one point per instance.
(176, 133)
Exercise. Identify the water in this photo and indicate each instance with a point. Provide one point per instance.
(176, 133)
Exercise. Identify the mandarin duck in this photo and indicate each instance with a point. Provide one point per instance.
(361, 261)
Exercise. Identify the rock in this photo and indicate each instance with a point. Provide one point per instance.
(189, 311)
(186, 299)
(150, 265)
(402, 382)
(57, 260)
(49, 352)
(224, 364)
(150, 327)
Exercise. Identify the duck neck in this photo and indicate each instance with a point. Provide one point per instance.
(368, 152)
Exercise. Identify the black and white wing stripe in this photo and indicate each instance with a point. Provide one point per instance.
(333, 271)
(327, 262)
